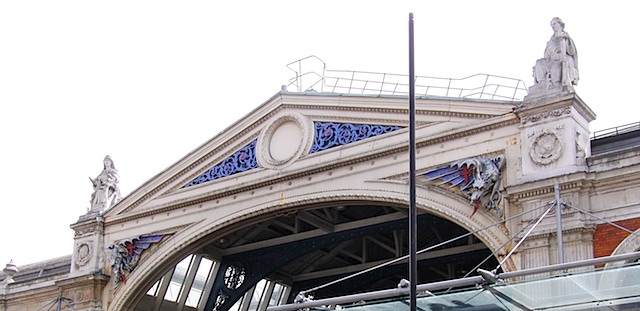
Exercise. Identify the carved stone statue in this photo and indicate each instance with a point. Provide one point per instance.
(558, 70)
(484, 190)
(125, 255)
(478, 178)
(105, 187)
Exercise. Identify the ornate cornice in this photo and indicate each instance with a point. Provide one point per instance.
(210, 160)
(318, 117)
(552, 234)
(324, 167)
(347, 108)
(465, 133)
(546, 115)
(541, 191)
(206, 157)
(399, 111)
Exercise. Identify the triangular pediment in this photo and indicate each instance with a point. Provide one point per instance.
(293, 134)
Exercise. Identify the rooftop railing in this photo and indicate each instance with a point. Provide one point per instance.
(312, 75)
(614, 131)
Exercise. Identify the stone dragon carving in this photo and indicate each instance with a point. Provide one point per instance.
(478, 178)
(125, 255)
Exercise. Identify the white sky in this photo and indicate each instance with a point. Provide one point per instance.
(149, 81)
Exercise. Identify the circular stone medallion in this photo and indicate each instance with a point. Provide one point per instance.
(284, 140)
(83, 254)
(546, 148)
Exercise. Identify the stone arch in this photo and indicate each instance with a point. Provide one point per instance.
(438, 203)
(630, 244)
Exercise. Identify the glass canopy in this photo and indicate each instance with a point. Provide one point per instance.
(605, 289)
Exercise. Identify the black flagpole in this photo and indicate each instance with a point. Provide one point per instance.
(413, 223)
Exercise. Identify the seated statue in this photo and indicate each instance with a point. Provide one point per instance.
(559, 67)
(105, 187)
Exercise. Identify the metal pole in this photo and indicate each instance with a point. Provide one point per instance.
(559, 224)
(413, 218)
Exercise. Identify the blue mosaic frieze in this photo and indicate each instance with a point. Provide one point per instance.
(243, 160)
(331, 134)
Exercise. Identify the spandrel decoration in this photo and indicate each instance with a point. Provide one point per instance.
(478, 178)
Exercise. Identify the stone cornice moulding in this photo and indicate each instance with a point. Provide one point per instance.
(217, 193)
(281, 101)
(82, 280)
(486, 107)
(451, 135)
(277, 103)
(200, 158)
(603, 182)
(546, 115)
(199, 155)
(628, 154)
(399, 111)
(43, 291)
(544, 188)
(550, 234)
(557, 104)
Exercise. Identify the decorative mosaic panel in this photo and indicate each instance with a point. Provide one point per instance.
(243, 160)
(331, 134)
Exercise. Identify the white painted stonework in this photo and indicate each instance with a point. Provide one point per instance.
(544, 142)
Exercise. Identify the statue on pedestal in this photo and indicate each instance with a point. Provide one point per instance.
(558, 70)
(105, 187)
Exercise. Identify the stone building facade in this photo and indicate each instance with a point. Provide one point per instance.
(312, 186)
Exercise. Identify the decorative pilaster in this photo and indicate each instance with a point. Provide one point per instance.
(88, 247)
(554, 135)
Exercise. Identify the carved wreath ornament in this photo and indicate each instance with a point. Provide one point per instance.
(83, 254)
(478, 178)
(546, 147)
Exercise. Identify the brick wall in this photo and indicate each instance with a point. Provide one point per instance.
(607, 237)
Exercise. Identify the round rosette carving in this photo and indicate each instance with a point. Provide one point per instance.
(284, 140)
(83, 254)
(234, 275)
(546, 148)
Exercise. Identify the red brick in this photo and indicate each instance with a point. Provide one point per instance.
(607, 237)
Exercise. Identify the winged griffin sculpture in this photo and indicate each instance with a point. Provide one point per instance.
(478, 178)
(125, 255)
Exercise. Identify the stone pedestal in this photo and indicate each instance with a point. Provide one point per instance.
(554, 135)
(88, 246)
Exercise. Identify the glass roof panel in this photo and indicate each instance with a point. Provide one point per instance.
(576, 289)
(595, 290)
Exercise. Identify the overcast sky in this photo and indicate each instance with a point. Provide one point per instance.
(149, 81)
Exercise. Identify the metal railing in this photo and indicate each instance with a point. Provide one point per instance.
(622, 129)
(312, 75)
(456, 283)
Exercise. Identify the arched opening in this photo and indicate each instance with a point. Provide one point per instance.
(266, 261)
